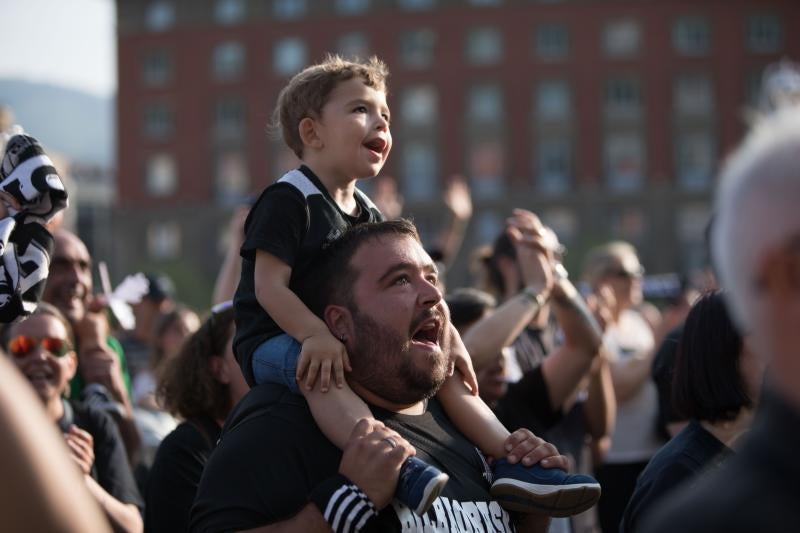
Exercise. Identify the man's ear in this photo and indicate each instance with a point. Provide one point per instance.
(71, 364)
(308, 133)
(340, 321)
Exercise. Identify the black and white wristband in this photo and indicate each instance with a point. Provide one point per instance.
(343, 505)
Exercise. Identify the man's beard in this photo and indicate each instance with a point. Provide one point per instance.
(383, 363)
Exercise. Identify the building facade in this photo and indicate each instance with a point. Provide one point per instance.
(607, 117)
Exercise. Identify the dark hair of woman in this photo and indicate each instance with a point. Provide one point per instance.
(707, 383)
(186, 385)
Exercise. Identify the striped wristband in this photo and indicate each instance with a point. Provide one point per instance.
(343, 505)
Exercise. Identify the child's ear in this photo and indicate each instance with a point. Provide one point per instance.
(340, 321)
(308, 133)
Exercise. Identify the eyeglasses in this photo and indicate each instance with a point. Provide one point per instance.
(21, 345)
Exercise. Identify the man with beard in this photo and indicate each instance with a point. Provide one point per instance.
(274, 470)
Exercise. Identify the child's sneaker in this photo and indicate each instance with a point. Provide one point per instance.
(419, 485)
(543, 490)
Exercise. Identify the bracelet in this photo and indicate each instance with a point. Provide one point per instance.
(345, 507)
(534, 296)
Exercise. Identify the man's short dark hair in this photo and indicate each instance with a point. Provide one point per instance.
(334, 277)
(467, 305)
(707, 384)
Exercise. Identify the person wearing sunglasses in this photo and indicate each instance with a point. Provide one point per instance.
(42, 348)
(613, 269)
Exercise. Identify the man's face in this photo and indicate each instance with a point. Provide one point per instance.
(399, 321)
(70, 281)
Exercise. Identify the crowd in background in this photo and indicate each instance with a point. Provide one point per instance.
(643, 395)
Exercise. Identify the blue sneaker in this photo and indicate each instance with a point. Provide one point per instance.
(542, 490)
(419, 485)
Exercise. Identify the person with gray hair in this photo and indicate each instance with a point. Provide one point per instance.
(756, 249)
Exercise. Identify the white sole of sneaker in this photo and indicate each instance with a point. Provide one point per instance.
(432, 491)
(552, 500)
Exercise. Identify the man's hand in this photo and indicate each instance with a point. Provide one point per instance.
(322, 353)
(524, 445)
(372, 459)
(457, 198)
(534, 245)
(81, 448)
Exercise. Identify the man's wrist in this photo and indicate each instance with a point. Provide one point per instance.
(335, 499)
(535, 295)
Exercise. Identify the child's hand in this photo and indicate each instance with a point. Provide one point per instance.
(461, 359)
(522, 445)
(320, 354)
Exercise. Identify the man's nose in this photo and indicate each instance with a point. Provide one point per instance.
(430, 294)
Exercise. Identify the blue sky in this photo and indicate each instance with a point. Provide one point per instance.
(64, 42)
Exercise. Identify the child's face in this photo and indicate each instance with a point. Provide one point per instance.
(354, 131)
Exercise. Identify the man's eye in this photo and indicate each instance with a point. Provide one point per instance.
(360, 109)
(402, 280)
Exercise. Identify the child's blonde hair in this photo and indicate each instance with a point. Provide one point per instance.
(308, 91)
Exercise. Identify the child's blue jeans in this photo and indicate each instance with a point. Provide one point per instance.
(275, 361)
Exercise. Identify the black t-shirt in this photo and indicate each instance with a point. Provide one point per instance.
(526, 404)
(272, 455)
(175, 475)
(111, 469)
(692, 451)
(294, 219)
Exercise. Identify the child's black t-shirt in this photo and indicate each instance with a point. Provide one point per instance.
(294, 219)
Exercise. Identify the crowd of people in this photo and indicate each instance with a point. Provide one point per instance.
(338, 384)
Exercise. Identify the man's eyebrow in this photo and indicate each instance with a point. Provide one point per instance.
(404, 265)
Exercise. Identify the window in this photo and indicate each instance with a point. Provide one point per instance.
(693, 95)
(161, 175)
(486, 164)
(484, 46)
(624, 161)
(416, 5)
(764, 34)
(159, 16)
(157, 68)
(163, 240)
(418, 105)
(553, 165)
(288, 9)
(289, 56)
(488, 225)
(691, 36)
(623, 98)
(228, 61)
(552, 42)
(694, 159)
(419, 171)
(229, 11)
(622, 38)
(482, 3)
(352, 7)
(629, 224)
(553, 100)
(563, 221)
(232, 180)
(353, 45)
(418, 48)
(691, 222)
(158, 121)
(229, 120)
(485, 103)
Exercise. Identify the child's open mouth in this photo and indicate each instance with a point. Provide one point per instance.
(376, 145)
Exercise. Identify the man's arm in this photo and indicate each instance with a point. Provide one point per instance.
(565, 367)
(308, 519)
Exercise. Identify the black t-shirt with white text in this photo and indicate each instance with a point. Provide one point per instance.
(294, 219)
(272, 455)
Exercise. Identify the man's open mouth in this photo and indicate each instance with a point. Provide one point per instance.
(428, 332)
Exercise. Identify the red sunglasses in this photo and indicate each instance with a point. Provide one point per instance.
(22, 345)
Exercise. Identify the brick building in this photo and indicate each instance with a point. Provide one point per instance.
(608, 117)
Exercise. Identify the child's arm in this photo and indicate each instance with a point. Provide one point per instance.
(321, 352)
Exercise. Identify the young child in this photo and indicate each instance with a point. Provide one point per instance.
(334, 117)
